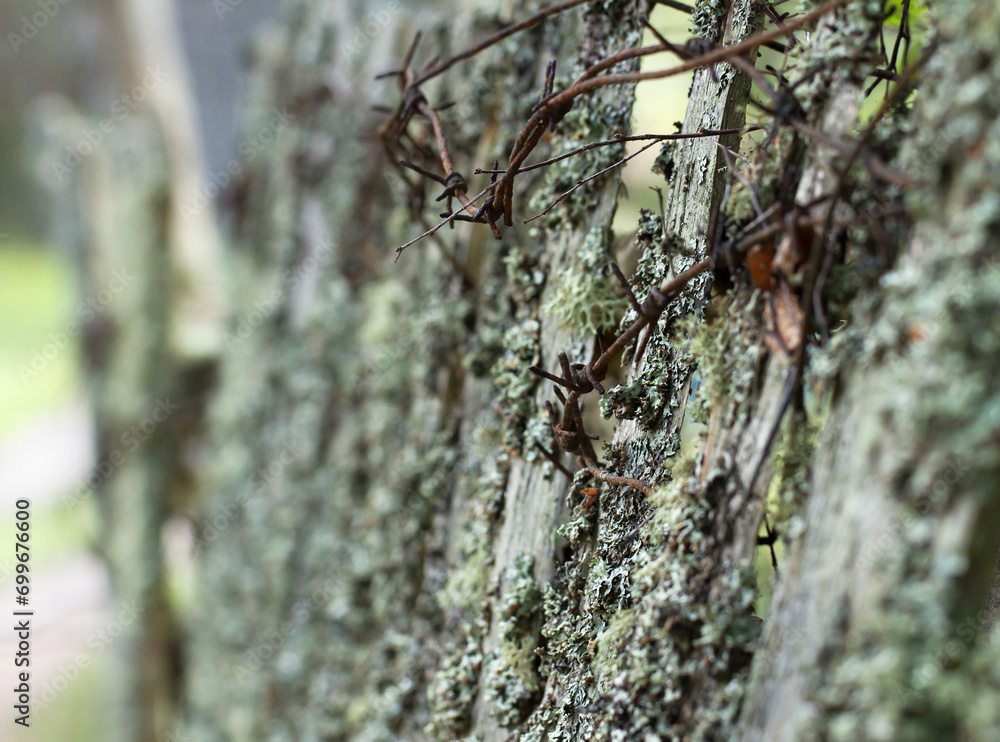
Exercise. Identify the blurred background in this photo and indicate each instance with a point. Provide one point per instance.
(80, 87)
(94, 93)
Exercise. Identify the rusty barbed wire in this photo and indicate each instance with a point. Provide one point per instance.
(775, 248)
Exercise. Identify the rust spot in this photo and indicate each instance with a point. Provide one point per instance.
(759, 261)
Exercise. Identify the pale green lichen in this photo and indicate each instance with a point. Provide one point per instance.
(452, 693)
(792, 471)
(514, 383)
(512, 680)
(707, 19)
(588, 299)
(729, 350)
(647, 398)
(525, 276)
(674, 634)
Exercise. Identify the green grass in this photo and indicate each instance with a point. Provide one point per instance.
(37, 297)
